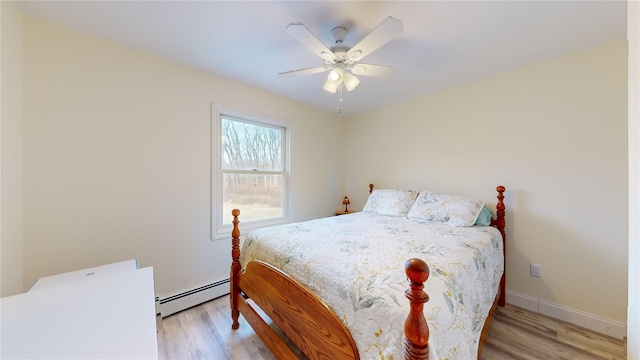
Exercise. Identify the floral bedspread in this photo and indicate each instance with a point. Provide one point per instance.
(355, 263)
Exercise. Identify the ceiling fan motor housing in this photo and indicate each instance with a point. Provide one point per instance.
(339, 33)
(340, 53)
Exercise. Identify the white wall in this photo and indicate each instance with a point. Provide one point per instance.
(11, 245)
(117, 159)
(633, 311)
(555, 134)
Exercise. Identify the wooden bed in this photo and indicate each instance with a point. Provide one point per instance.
(310, 324)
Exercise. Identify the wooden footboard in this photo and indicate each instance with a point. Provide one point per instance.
(301, 315)
(305, 319)
(309, 323)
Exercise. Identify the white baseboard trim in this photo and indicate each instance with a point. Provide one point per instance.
(576, 317)
(191, 298)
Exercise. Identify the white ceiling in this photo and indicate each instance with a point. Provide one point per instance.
(445, 43)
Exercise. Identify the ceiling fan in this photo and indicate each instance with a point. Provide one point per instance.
(342, 61)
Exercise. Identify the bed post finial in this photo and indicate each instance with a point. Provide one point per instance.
(370, 188)
(416, 330)
(500, 222)
(235, 269)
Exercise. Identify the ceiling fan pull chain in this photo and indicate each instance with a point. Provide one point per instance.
(339, 110)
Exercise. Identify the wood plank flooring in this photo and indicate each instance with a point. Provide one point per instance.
(520, 334)
(204, 332)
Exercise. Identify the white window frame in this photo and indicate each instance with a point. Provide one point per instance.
(219, 230)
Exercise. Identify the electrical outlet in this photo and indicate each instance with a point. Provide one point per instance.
(536, 270)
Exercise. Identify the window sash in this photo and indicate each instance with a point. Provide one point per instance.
(221, 221)
(261, 195)
(277, 162)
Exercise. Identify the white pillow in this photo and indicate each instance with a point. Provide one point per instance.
(390, 202)
(447, 209)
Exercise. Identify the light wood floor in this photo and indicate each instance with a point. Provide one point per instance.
(204, 332)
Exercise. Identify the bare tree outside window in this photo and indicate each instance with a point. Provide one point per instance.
(253, 169)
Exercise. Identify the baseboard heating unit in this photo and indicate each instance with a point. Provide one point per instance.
(197, 296)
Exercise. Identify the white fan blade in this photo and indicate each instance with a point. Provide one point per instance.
(304, 36)
(380, 71)
(307, 71)
(386, 31)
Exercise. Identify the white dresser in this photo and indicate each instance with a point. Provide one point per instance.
(109, 314)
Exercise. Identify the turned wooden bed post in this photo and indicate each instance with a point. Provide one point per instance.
(235, 269)
(500, 222)
(416, 330)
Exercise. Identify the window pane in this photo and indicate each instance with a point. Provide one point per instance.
(247, 146)
(258, 196)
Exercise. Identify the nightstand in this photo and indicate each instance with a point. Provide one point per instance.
(344, 212)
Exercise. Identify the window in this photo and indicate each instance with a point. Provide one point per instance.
(251, 162)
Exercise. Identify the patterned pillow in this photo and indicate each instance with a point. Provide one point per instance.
(447, 209)
(390, 202)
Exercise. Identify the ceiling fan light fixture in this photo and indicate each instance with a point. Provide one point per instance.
(335, 78)
(331, 86)
(336, 75)
(351, 82)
